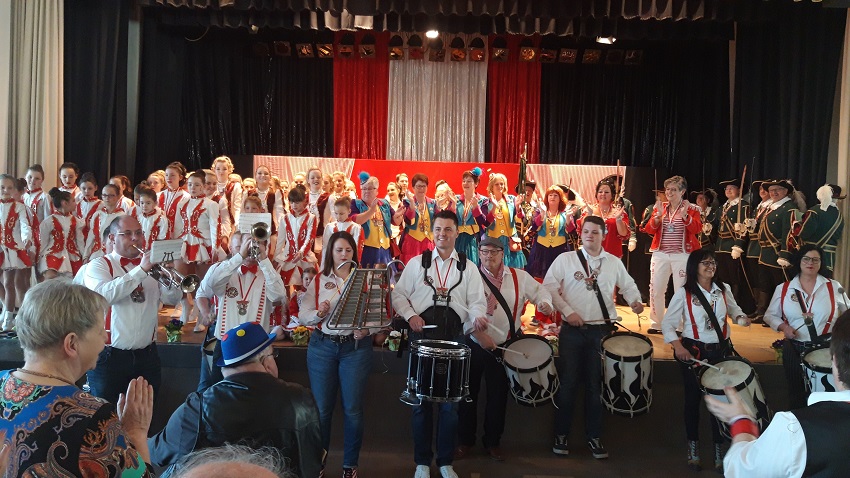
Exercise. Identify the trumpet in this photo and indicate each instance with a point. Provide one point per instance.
(259, 232)
(171, 278)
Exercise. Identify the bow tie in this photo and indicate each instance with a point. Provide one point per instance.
(252, 269)
(126, 261)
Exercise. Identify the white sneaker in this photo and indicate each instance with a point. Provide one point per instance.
(199, 327)
(423, 471)
(8, 321)
(448, 471)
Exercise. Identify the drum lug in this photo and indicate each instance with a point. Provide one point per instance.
(409, 399)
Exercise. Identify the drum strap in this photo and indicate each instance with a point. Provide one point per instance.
(590, 277)
(499, 297)
(727, 344)
(813, 333)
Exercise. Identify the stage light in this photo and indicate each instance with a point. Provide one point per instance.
(432, 34)
(606, 40)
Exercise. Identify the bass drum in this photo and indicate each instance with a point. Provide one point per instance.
(739, 373)
(627, 373)
(532, 376)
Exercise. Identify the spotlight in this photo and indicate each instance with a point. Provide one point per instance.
(606, 40)
(432, 34)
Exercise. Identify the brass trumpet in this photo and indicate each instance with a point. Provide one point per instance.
(170, 278)
(259, 232)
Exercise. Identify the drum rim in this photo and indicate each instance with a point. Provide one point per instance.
(634, 358)
(457, 349)
(816, 368)
(533, 369)
(750, 377)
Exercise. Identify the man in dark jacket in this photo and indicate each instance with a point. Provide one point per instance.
(251, 406)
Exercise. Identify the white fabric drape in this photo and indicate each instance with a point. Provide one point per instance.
(842, 265)
(437, 110)
(285, 167)
(35, 124)
(579, 178)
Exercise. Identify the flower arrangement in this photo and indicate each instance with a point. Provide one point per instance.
(301, 336)
(393, 340)
(777, 349)
(173, 330)
(553, 341)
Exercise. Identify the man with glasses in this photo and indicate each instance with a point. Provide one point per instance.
(122, 278)
(514, 287)
(585, 280)
(774, 232)
(251, 406)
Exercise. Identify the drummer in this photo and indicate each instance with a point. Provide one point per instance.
(804, 310)
(572, 276)
(507, 289)
(451, 288)
(705, 336)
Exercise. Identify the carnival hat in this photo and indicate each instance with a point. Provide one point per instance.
(243, 342)
(785, 183)
(836, 191)
(732, 182)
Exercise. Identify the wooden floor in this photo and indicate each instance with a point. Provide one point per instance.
(752, 342)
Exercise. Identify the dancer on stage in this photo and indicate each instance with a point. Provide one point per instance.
(338, 361)
(674, 227)
(60, 238)
(762, 289)
(823, 224)
(35, 199)
(731, 241)
(457, 296)
(613, 214)
(703, 303)
(151, 217)
(418, 217)
(709, 215)
(501, 220)
(294, 250)
(222, 166)
(552, 227)
(775, 232)
(156, 181)
(68, 175)
(15, 260)
(375, 216)
(804, 309)
(88, 206)
(109, 210)
(173, 196)
(470, 207)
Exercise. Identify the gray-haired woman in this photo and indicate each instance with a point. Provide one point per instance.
(49, 423)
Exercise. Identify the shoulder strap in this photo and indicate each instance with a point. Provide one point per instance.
(782, 299)
(605, 314)
(711, 317)
(694, 328)
(499, 297)
(810, 324)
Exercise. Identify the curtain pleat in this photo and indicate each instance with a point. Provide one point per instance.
(437, 110)
(514, 105)
(360, 89)
(36, 115)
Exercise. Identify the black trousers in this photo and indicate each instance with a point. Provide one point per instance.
(693, 394)
(484, 364)
(792, 365)
(116, 367)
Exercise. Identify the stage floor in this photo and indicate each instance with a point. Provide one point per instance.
(752, 342)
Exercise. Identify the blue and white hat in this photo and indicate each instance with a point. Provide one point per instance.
(243, 342)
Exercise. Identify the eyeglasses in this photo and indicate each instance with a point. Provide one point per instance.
(139, 233)
(274, 354)
(489, 252)
(708, 263)
(810, 260)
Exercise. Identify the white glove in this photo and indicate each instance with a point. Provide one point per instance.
(706, 228)
(632, 244)
(783, 262)
(739, 227)
(736, 252)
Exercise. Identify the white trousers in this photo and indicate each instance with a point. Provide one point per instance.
(661, 266)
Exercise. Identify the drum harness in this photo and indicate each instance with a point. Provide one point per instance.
(441, 311)
(501, 299)
(726, 347)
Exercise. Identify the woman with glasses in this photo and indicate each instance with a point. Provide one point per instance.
(703, 303)
(804, 309)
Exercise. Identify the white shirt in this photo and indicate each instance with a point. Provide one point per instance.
(529, 290)
(780, 451)
(352, 227)
(412, 295)
(775, 205)
(231, 286)
(155, 226)
(678, 311)
(566, 278)
(39, 203)
(818, 304)
(284, 249)
(133, 325)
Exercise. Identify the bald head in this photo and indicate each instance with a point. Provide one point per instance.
(228, 470)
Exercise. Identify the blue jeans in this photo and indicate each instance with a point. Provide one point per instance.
(210, 372)
(579, 356)
(116, 367)
(341, 367)
(423, 427)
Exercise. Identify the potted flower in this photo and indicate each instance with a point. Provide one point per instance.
(301, 336)
(173, 330)
(392, 342)
(777, 349)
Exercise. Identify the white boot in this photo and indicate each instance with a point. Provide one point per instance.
(185, 311)
(8, 320)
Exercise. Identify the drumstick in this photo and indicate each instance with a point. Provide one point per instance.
(703, 362)
(429, 326)
(525, 355)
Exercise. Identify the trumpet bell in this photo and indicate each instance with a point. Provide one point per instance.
(190, 283)
(260, 231)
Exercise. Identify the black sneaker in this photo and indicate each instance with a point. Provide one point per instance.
(596, 449)
(652, 331)
(560, 447)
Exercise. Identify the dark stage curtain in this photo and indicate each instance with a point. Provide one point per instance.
(669, 112)
(786, 71)
(95, 80)
(361, 89)
(513, 104)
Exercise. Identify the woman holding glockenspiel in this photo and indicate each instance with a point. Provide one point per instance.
(703, 305)
(804, 310)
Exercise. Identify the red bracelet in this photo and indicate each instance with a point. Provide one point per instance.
(744, 425)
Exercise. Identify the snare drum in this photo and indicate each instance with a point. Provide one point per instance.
(627, 373)
(739, 373)
(530, 366)
(817, 369)
(438, 371)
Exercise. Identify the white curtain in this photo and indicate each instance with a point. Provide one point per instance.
(437, 110)
(842, 265)
(285, 167)
(34, 126)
